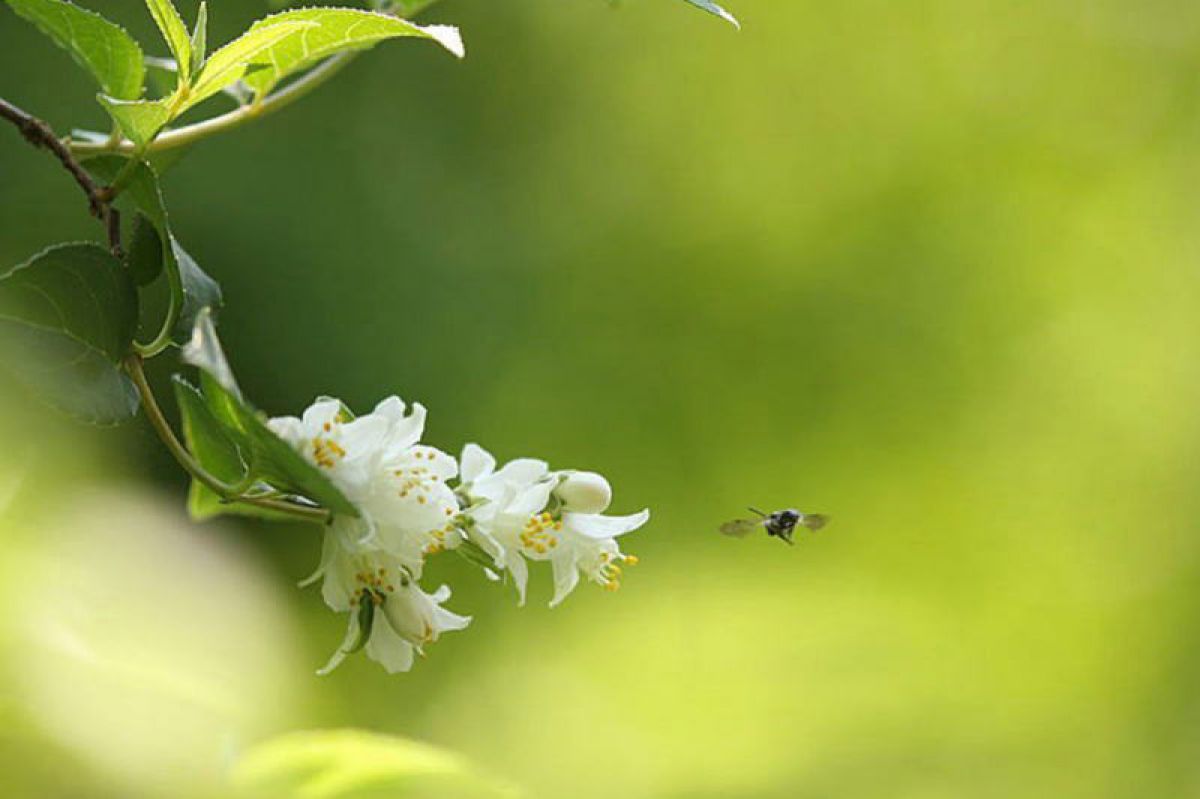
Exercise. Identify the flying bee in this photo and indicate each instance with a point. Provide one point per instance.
(780, 524)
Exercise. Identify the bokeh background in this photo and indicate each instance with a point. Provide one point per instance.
(931, 267)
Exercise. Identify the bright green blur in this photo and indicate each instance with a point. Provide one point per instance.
(932, 268)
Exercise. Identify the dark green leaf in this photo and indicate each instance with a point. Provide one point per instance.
(144, 258)
(67, 373)
(79, 290)
(67, 317)
(99, 46)
(199, 292)
(196, 289)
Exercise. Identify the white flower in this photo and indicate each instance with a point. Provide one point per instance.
(523, 508)
(376, 460)
(390, 616)
(589, 547)
(345, 448)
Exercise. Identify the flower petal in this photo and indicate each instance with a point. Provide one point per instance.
(530, 500)
(519, 570)
(523, 470)
(476, 462)
(566, 576)
(389, 649)
(319, 413)
(593, 525)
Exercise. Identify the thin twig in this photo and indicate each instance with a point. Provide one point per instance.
(232, 494)
(39, 134)
(180, 137)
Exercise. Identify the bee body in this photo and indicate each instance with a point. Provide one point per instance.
(781, 524)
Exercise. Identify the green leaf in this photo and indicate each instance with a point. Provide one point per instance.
(68, 316)
(206, 439)
(139, 120)
(99, 46)
(170, 24)
(335, 30)
(79, 290)
(713, 8)
(229, 64)
(203, 504)
(271, 459)
(200, 292)
(211, 444)
(200, 36)
(332, 764)
(144, 256)
(196, 290)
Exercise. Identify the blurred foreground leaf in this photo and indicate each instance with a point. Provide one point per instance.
(330, 764)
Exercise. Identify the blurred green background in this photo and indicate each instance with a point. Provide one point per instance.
(930, 267)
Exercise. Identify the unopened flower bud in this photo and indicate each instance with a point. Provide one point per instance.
(584, 492)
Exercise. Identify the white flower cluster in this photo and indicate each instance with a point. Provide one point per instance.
(414, 501)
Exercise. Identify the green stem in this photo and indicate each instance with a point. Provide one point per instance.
(189, 134)
(174, 308)
(126, 172)
(133, 366)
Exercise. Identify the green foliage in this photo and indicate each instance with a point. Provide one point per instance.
(144, 252)
(139, 120)
(271, 460)
(230, 63)
(191, 288)
(200, 292)
(206, 439)
(215, 449)
(199, 38)
(170, 24)
(99, 46)
(70, 314)
(335, 30)
(332, 764)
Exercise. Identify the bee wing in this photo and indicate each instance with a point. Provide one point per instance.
(740, 528)
(815, 521)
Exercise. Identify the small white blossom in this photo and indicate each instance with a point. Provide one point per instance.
(390, 617)
(501, 518)
(398, 484)
(523, 510)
